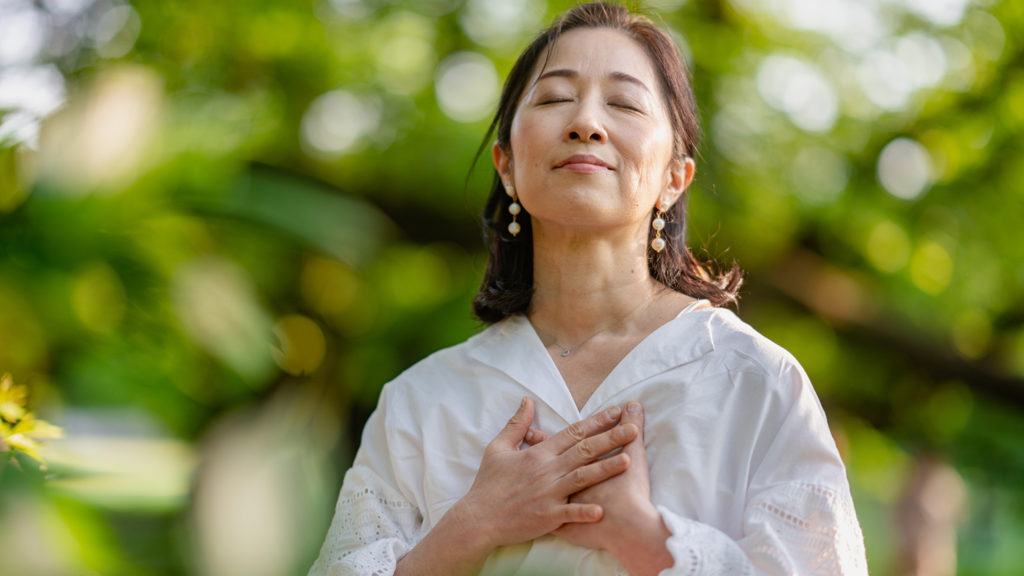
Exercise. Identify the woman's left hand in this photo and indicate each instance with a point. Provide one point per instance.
(631, 529)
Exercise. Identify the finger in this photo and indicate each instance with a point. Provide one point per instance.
(573, 433)
(534, 436)
(634, 415)
(514, 433)
(579, 513)
(594, 473)
(590, 449)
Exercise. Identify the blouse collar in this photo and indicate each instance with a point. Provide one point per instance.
(513, 347)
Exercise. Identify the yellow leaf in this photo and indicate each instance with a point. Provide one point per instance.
(11, 412)
(25, 444)
(19, 429)
(12, 399)
(37, 429)
(8, 390)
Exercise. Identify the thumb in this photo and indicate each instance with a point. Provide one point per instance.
(514, 433)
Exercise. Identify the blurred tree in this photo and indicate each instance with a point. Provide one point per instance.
(210, 209)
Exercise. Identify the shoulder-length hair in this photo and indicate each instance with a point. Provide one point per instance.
(508, 280)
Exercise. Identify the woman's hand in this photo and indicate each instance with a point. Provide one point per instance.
(523, 493)
(631, 528)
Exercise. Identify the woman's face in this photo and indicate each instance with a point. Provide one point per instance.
(591, 140)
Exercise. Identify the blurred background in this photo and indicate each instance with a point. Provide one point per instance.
(225, 225)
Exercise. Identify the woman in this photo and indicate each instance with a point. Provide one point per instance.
(605, 334)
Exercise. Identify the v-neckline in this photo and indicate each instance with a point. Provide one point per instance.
(695, 305)
(684, 338)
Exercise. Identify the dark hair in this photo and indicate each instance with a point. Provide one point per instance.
(508, 281)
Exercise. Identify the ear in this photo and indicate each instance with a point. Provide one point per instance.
(502, 162)
(680, 175)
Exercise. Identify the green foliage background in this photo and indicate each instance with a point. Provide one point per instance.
(208, 269)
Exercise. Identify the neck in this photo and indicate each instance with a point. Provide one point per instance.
(585, 282)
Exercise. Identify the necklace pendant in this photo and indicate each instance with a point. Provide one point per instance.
(566, 352)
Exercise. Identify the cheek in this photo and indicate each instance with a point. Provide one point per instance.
(527, 152)
(654, 155)
(525, 132)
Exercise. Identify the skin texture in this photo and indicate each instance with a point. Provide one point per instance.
(598, 95)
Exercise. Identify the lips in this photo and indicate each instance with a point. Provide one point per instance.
(584, 163)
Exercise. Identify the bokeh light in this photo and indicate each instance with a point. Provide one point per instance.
(466, 86)
(888, 246)
(500, 23)
(406, 54)
(337, 123)
(905, 168)
(799, 90)
(302, 345)
(931, 267)
(101, 143)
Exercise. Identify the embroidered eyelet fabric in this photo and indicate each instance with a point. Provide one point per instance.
(368, 536)
(743, 468)
(800, 529)
(793, 529)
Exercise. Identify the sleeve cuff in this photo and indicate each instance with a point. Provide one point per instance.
(700, 550)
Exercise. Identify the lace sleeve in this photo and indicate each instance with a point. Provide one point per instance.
(700, 549)
(376, 520)
(793, 529)
(369, 534)
(798, 516)
(805, 529)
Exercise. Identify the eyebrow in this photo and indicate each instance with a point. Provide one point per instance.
(566, 73)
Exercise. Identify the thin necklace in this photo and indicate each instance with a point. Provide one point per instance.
(571, 349)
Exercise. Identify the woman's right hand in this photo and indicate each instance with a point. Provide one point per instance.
(521, 493)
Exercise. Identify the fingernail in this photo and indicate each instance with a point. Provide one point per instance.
(614, 411)
(529, 435)
(633, 407)
(522, 403)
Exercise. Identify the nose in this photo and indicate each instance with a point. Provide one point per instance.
(585, 126)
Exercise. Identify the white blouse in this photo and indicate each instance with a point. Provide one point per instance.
(743, 468)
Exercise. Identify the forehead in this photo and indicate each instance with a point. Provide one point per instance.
(599, 52)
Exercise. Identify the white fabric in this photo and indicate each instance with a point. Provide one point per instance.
(743, 468)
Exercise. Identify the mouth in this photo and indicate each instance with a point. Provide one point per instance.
(585, 163)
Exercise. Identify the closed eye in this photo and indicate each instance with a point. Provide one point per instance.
(554, 101)
(625, 106)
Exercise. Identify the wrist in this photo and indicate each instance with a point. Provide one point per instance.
(644, 551)
(455, 546)
(476, 534)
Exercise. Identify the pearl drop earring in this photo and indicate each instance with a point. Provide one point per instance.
(514, 209)
(658, 244)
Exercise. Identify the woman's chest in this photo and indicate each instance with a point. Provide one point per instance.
(698, 462)
(583, 370)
